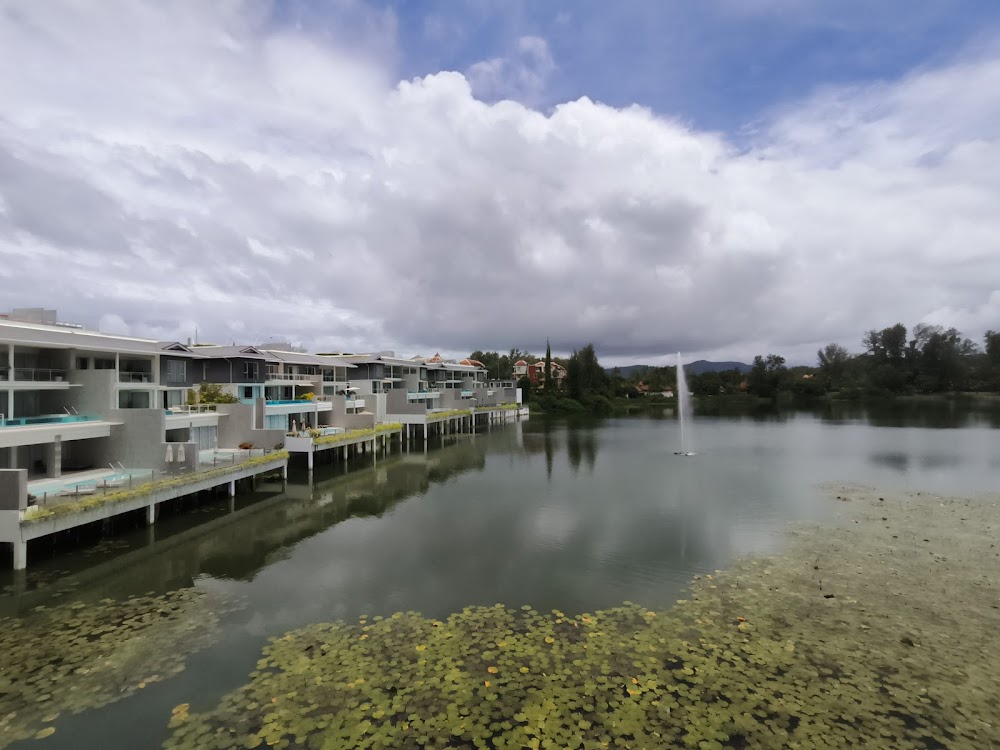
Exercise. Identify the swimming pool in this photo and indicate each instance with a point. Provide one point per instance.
(59, 485)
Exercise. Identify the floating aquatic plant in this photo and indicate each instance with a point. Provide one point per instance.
(862, 636)
(74, 657)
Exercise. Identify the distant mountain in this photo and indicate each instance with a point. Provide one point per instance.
(703, 365)
(694, 368)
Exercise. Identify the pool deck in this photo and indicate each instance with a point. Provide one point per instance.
(19, 527)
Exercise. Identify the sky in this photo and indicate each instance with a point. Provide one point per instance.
(722, 178)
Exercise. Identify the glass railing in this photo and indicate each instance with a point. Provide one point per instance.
(288, 401)
(135, 377)
(34, 374)
(44, 419)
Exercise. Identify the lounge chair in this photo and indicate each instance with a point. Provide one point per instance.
(89, 489)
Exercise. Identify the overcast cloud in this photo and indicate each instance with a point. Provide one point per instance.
(167, 165)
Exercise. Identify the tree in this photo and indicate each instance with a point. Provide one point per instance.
(548, 367)
(833, 359)
(992, 340)
(524, 383)
(212, 393)
(767, 375)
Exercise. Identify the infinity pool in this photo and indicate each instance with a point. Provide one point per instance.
(59, 485)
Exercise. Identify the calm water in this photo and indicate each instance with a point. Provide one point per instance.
(576, 516)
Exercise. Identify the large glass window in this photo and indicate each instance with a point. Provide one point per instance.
(176, 371)
(251, 370)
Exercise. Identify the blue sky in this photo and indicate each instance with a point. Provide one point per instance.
(427, 175)
(716, 64)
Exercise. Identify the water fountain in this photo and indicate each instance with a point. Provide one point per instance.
(683, 409)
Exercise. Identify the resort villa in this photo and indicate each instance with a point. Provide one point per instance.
(84, 412)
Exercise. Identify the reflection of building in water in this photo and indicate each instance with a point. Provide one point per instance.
(238, 544)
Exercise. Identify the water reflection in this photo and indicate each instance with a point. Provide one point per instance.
(521, 514)
(896, 460)
(240, 538)
(930, 412)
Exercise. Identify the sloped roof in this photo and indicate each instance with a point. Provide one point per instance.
(519, 363)
(304, 358)
(241, 351)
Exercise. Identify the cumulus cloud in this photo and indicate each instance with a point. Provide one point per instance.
(176, 164)
(521, 76)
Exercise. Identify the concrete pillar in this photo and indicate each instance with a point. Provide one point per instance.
(53, 458)
(10, 370)
(232, 505)
(20, 555)
(309, 456)
(151, 513)
(232, 488)
(13, 457)
(345, 454)
(10, 399)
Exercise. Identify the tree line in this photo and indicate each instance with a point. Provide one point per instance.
(893, 361)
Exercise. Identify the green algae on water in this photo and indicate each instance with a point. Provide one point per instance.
(75, 657)
(878, 632)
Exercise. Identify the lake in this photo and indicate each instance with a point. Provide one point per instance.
(575, 515)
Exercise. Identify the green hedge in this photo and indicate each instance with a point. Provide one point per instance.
(358, 434)
(144, 490)
(438, 416)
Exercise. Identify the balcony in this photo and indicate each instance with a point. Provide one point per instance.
(135, 377)
(33, 375)
(357, 403)
(468, 394)
(292, 377)
(45, 428)
(273, 407)
(421, 395)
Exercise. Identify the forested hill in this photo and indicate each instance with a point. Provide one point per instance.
(694, 368)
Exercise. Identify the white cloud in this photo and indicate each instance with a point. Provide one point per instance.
(193, 164)
(522, 75)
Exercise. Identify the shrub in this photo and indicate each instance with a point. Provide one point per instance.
(212, 393)
(246, 445)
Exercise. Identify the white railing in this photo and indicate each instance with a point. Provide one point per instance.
(292, 376)
(192, 409)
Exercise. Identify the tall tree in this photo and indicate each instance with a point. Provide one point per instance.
(548, 366)
(767, 375)
(833, 359)
(992, 340)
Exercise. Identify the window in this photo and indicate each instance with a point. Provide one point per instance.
(103, 364)
(82, 363)
(251, 370)
(247, 392)
(133, 400)
(176, 371)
